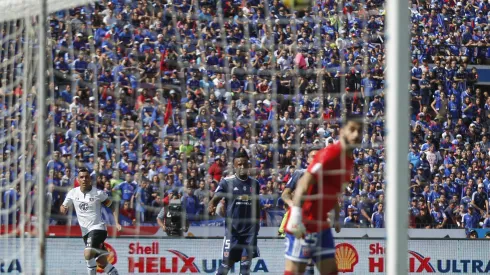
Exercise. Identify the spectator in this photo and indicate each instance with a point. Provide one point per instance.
(352, 221)
(216, 169)
(470, 219)
(170, 92)
(10, 199)
(378, 217)
(479, 201)
(192, 204)
(127, 215)
(142, 199)
(424, 220)
(127, 190)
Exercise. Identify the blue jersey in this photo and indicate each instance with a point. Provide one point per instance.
(240, 196)
(10, 198)
(470, 221)
(378, 220)
(293, 181)
(127, 190)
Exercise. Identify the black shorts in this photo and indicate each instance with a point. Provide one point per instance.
(95, 239)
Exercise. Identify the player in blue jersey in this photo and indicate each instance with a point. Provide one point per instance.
(288, 200)
(242, 211)
(297, 174)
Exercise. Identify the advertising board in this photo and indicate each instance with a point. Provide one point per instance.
(190, 256)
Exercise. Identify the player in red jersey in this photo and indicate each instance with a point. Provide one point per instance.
(308, 232)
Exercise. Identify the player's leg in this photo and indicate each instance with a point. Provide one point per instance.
(310, 268)
(101, 253)
(109, 269)
(296, 255)
(327, 266)
(294, 267)
(250, 250)
(324, 254)
(229, 255)
(89, 254)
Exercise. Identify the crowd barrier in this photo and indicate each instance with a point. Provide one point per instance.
(188, 256)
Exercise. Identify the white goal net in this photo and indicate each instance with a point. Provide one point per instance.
(155, 97)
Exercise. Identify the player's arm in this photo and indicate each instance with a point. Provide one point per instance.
(295, 224)
(287, 194)
(219, 194)
(214, 202)
(107, 202)
(287, 197)
(66, 203)
(304, 183)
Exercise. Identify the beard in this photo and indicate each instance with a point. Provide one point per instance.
(242, 172)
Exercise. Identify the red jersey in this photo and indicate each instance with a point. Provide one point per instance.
(331, 169)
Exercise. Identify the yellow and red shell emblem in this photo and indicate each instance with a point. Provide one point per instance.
(346, 257)
(111, 257)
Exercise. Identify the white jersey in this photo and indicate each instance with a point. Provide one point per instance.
(88, 208)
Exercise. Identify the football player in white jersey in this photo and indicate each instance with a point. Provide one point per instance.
(88, 201)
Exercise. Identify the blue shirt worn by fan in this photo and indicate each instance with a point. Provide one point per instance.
(242, 217)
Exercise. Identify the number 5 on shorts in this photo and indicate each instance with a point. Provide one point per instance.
(227, 244)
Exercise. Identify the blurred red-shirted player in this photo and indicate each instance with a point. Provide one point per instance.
(308, 232)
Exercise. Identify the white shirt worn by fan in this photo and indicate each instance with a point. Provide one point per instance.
(88, 208)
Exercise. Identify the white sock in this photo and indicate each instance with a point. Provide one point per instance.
(110, 270)
(91, 267)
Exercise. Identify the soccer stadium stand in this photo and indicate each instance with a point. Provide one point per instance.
(178, 90)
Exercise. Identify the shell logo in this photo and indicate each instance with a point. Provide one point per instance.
(111, 258)
(346, 257)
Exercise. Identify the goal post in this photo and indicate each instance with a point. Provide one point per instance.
(41, 161)
(397, 47)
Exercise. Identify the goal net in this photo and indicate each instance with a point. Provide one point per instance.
(155, 98)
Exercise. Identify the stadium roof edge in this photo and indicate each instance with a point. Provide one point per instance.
(16, 9)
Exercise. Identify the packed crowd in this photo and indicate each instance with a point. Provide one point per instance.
(154, 97)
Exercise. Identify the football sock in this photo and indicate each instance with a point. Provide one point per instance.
(310, 270)
(245, 267)
(110, 270)
(223, 269)
(91, 266)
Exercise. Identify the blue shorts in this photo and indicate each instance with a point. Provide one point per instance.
(235, 247)
(315, 246)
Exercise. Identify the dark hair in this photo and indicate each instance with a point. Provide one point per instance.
(82, 170)
(241, 153)
(354, 118)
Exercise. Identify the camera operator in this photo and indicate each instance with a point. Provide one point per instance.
(172, 217)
